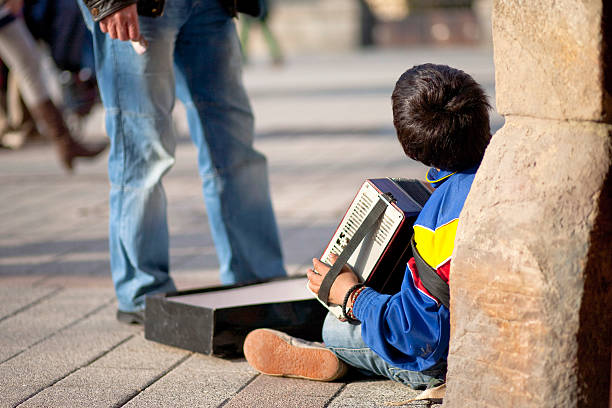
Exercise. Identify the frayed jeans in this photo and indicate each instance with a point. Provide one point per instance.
(194, 54)
(345, 340)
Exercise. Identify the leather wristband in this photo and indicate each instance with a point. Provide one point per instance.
(345, 302)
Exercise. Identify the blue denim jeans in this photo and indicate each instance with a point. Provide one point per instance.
(194, 54)
(345, 340)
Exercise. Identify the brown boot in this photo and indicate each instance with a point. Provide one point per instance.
(51, 124)
(275, 353)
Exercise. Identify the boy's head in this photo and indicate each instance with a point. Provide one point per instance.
(441, 117)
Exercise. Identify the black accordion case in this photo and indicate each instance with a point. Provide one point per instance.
(216, 320)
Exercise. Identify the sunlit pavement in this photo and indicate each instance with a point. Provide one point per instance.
(324, 123)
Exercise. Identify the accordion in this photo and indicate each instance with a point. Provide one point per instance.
(373, 237)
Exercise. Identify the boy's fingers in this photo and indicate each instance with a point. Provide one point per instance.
(313, 273)
(314, 276)
(321, 267)
(314, 288)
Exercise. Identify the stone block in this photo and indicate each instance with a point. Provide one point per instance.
(551, 59)
(54, 358)
(94, 388)
(51, 315)
(532, 271)
(18, 299)
(200, 381)
(376, 393)
(114, 378)
(275, 392)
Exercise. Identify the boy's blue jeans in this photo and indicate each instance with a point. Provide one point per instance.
(345, 341)
(193, 49)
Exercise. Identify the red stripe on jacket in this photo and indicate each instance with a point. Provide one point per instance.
(443, 271)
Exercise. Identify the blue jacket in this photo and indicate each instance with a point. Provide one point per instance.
(411, 329)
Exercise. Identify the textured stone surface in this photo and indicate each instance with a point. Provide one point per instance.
(14, 301)
(93, 388)
(113, 379)
(57, 312)
(61, 354)
(530, 253)
(548, 59)
(201, 381)
(276, 392)
(369, 394)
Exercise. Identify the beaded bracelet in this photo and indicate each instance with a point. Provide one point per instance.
(347, 315)
(353, 298)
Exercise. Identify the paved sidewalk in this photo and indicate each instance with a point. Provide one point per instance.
(324, 123)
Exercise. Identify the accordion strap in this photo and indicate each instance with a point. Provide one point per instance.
(368, 223)
(434, 284)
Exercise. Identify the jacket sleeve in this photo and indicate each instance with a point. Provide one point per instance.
(100, 9)
(409, 330)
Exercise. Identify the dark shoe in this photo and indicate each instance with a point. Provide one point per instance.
(275, 353)
(51, 123)
(69, 149)
(131, 317)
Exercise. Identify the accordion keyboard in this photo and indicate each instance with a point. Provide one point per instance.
(370, 250)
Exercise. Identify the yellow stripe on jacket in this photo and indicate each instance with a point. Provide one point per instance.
(436, 247)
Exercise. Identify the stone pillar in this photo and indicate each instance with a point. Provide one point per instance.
(531, 280)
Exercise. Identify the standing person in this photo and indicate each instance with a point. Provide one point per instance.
(20, 54)
(275, 50)
(193, 48)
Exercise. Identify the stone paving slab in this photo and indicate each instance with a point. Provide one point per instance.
(39, 206)
(64, 352)
(201, 381)
(14, 301)
(93, 388)
(141, 354)
(275, 392)
(370, 394)
(115, 377)
(37, 323)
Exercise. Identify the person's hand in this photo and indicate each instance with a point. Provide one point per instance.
(345, 280)
(122, 24)
(14, 6)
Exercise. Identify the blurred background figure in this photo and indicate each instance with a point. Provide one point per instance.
(247, 21)
(60, 25)
(22, 57)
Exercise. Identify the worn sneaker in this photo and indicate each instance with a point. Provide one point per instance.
(131, 317)
(275, 353)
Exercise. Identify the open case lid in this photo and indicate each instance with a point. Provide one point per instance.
(215, 320)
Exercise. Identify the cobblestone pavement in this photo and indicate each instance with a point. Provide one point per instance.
(324, 123)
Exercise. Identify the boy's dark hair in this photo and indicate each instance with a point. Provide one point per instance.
(441, 117)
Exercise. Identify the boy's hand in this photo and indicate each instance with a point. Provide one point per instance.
(345, 280)
(122, 24)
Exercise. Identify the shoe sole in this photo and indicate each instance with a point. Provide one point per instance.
(270, 354)
(130, 318)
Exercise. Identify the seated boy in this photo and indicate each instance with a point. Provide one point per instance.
(441, 118)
